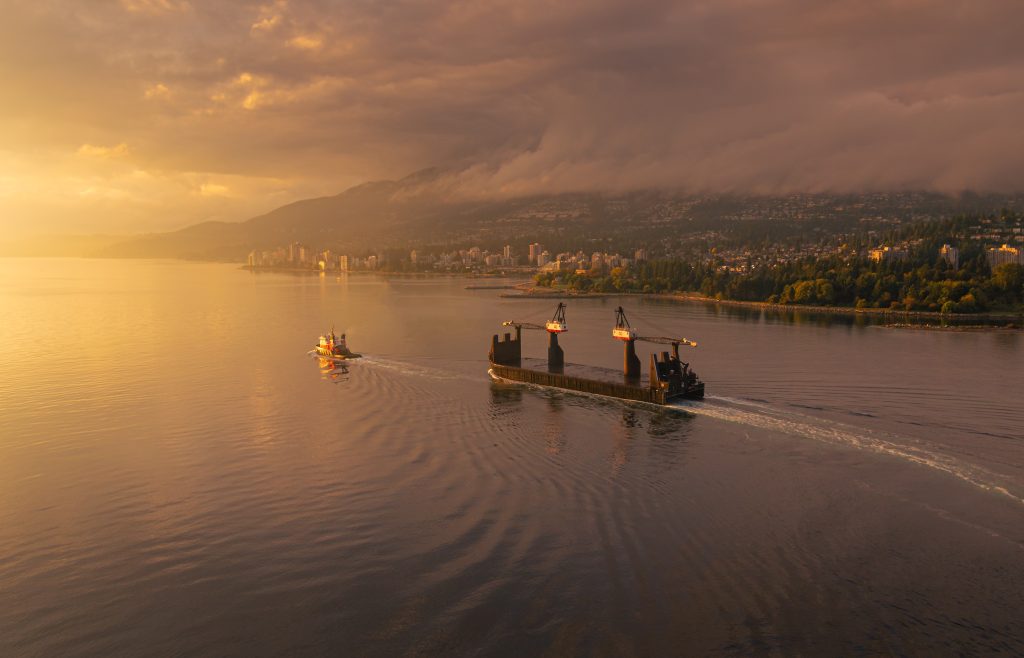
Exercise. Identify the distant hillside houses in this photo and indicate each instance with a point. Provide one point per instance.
(300, 256)
(297, 256)
(580, 263)
(996, 256)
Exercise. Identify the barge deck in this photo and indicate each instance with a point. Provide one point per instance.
(585, 379)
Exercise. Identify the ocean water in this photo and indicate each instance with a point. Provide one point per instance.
(179, 477)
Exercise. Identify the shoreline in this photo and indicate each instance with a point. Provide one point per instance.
(466, 275)
(848, 310)
(889, 318)
(899, 318)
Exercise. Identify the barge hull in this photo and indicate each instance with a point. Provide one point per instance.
(622, 391)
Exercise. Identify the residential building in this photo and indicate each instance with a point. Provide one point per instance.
(887, 254)
(951, 255)
(1003, 255)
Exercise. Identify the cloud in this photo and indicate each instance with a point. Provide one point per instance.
(155, 6)
(270, 17)
(266, 24)
(213, 189)
(306, 42)
(103, 152)
(159, 90)
(527, 96)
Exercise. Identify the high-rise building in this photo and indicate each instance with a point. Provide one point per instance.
(1003, 255)
(640, 255)
(951, 255)
(343, 263)
(535, 250)
(413, 256)
(543, 258)
(506, 253)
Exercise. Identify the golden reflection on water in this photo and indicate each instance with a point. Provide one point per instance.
(187, 460)
(554, 425)
(333, 371)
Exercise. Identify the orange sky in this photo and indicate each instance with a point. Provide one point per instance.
(140, 115)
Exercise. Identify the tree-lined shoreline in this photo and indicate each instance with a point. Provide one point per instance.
(921, 280)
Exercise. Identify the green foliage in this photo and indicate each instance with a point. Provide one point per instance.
(923, 282)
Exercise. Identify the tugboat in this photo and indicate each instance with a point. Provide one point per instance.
(334, 347)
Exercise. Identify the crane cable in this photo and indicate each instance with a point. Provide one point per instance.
(665, 339)
(645, 320)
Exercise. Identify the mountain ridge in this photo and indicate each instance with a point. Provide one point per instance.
(417, 210)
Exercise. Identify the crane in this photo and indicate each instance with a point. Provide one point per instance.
(555, 326)
(629, 335)
(622, 330)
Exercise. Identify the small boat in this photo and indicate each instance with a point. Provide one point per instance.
(334, 347)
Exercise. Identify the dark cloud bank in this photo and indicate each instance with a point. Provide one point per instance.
(524, 97)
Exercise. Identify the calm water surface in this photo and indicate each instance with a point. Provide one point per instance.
(178, 476)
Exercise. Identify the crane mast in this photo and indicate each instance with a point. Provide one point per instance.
(556, 325)
(627, 334)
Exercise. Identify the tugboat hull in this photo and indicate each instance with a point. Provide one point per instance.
(323, 354)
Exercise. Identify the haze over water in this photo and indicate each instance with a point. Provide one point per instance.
(178, 476)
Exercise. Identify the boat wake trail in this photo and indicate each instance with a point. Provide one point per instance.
(766, 417)
(415, 370)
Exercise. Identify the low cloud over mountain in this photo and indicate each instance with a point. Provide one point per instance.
(143, 114)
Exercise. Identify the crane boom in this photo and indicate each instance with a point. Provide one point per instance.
(524, 325)
(557, 324)
(665, 340)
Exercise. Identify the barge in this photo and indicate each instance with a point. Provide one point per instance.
(668, 377)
